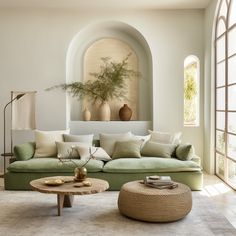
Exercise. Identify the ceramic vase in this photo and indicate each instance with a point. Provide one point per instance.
(86, 114)
(125, 113)
(104, 112)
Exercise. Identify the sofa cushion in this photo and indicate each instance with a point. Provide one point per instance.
(154, 149)
(45, 142)
(24, 151)
(184, 152)
(53, 165)
(162, 137)
(127, 149)
(69, 149)
(98, 153)
(79, 138)
(149, 164)
(107, 141)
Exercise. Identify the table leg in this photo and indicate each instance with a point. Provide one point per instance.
(64, 200)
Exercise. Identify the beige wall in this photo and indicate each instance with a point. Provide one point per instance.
(34, 44)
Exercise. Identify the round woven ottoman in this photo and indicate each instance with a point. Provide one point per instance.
(141, 202)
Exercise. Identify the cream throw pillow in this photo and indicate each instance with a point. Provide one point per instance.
(98, 153)
(69, 149)
(167, 138)
(107, 141)
(46, 142)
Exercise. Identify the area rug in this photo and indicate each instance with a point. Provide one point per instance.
(32, 213)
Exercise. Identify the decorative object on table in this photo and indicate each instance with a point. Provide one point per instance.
(125, 113)
(80, 171)
(110, 83)
(86, 114)
(54, 182)
(159, 182)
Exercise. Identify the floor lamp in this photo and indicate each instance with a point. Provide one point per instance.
(5, 154)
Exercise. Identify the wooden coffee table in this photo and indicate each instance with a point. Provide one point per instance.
(65, 192)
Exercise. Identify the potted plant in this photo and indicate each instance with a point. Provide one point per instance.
(110, 83)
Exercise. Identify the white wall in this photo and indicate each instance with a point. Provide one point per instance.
(34, 43)
(209, 88)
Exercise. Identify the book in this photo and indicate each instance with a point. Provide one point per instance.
(158, 180)
(168, 186)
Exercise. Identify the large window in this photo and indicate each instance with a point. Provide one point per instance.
(225, 92)
(191, 91)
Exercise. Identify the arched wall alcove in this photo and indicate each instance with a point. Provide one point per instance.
(114, 30)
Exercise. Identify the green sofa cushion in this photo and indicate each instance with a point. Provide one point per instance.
(53, 165)
(24, 151)
(184, 152)
(149, 164)
(127, 149)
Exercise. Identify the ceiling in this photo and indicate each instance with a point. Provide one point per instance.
(104, 4)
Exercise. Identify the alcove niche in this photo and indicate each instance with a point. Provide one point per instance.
(115, 40)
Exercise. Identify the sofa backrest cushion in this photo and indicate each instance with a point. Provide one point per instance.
(46, 142)
(78, 138)
(154, 149)
(107, 141)
(24, 151)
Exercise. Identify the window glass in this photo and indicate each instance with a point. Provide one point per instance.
(232, 14)
(191, 91)
(232, 122)
(220, 45)
(220, 78)
(232, 42)
(220, 27)
(220, 99)
(231, 69)
(220, 120)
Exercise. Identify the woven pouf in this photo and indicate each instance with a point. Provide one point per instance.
(141, 202)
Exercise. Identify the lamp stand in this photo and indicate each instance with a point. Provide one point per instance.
(5, 154)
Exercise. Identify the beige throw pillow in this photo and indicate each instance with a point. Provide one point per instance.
(69, 149)
(154, 149)
(167, 138)
(79, 138)
(98, 153)
(107, 141)
(46, 142)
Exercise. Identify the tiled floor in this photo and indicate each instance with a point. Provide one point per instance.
(221, 194)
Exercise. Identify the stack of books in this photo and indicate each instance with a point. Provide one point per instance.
(160, 182)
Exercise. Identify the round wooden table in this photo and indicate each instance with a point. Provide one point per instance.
(66, 191)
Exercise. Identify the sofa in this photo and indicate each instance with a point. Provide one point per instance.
(117, 172)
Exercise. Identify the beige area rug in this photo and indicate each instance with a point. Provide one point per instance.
(32, 213)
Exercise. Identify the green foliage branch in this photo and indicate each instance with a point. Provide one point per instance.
(110, 82)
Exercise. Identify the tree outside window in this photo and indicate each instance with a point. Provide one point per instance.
(191, 91)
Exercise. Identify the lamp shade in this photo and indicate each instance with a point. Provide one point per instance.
(23, 111)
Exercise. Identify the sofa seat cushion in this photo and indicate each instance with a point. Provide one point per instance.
(53, 165)
(149, 164)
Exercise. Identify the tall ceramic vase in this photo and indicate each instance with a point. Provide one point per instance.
(104, 111)
(86, 114)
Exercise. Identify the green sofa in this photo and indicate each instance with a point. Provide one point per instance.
(117, 172)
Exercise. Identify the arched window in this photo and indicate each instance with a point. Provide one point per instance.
(191, 91)
(225, 92)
